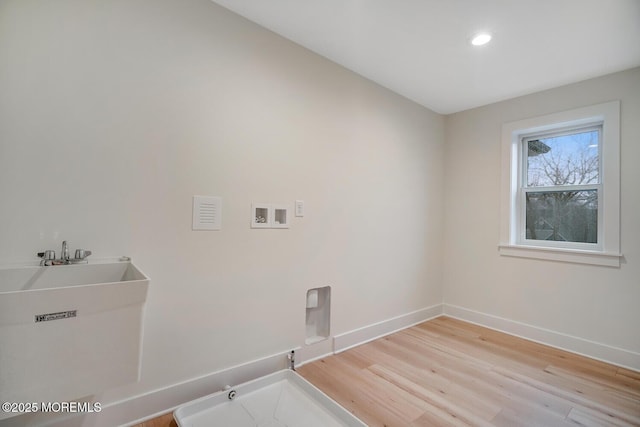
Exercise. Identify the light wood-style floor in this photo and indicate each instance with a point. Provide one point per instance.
(446, 372)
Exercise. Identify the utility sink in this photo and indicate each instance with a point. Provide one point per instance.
(69, 331)
(60, 276)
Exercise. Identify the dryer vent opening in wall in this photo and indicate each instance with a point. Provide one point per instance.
(318, 317)
(207, 213)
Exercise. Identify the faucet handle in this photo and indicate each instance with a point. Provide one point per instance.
(47, 255)
(82, 254)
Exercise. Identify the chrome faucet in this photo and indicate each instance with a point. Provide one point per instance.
(64, 256)
(48, 257)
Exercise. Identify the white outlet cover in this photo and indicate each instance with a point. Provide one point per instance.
(279, 216)
(299, 208)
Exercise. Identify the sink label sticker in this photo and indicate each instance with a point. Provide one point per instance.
(56, 316)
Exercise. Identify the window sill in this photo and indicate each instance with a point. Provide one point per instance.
(562, 255)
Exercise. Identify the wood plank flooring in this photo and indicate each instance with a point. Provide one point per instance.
(446, 372)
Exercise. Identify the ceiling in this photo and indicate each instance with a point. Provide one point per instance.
(420, 48)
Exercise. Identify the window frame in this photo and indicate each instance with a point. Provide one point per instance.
(513, 240)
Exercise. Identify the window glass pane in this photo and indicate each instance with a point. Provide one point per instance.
(570, 216)
(571, 159)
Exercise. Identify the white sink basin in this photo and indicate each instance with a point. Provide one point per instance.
(59, 276)
(26, 292)
(69, 331)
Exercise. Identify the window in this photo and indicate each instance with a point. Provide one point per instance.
(561, 186)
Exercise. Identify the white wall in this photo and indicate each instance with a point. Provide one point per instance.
(598, 304)
(113, 114)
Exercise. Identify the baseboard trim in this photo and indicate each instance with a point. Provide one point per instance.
(603, 352)
(377, 330)
(315, 351)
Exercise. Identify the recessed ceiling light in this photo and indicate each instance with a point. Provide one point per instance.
(480, 39)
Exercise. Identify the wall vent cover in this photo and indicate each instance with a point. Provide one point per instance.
(207, 213)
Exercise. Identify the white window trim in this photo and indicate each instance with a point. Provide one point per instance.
(607, 252)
